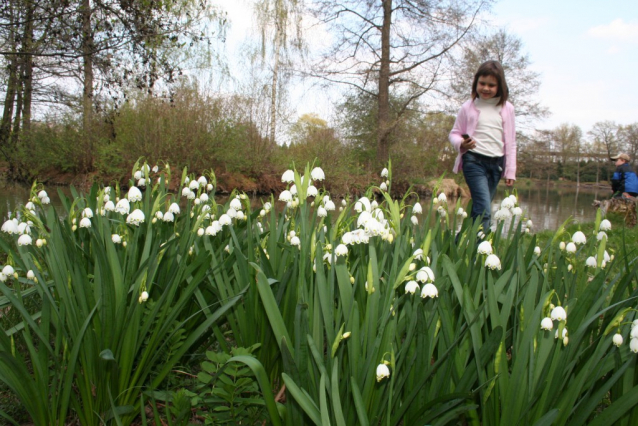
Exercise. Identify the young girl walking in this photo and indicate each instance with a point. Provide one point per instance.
(484, 135)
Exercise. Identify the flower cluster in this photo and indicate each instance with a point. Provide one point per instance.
(558, 314)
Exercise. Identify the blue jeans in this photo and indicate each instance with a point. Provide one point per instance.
(482, 174)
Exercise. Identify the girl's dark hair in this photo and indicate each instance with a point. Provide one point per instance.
(494, 69)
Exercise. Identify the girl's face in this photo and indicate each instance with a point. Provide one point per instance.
(487, 86)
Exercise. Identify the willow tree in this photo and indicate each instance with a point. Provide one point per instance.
(392, 46)
(279, 22)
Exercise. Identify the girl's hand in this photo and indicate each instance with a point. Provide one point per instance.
(509, 182)
(468, 144)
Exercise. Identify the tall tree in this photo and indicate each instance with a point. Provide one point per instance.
(94, 45)
(604, 135)
(568, 143)
(628, 138)
(398, 47)
(279, 22)
(523, 83)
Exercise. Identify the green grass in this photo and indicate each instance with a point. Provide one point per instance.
(620, 236)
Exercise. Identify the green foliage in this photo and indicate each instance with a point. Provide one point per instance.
(230, 392)
(326, 310)
(94, 344)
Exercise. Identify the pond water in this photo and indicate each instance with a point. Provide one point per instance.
(546, 206)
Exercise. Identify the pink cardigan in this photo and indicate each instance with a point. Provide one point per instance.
(466, 122)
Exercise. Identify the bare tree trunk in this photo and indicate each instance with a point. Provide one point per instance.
(15, 133)
(275, 74)
(384, 87)
(87, 94)
(28, 70)
(9, 99)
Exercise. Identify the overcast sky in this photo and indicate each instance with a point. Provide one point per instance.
(585, 50)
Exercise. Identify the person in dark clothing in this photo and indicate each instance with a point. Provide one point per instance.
(624, 182)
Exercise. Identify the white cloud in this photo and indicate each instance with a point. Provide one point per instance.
(617, 30)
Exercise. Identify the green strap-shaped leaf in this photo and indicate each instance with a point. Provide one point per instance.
(336, 398)
(264, 384)
(323, 402)
(271, 308)
(304, 402)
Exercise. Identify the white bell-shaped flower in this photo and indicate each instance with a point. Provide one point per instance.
(168, 217)
(288, 176)
(605, 225)
(485, 248)
(537, 251)
(507, 203)
(547, 324)
(10, 226)
(312, 191)
(134, 194)
(425, 274)
(317, 174)
(225, 220)
(341, 250)
(502, 214)
(429, 290)
(384, 172)
(85, 222)
(411, 287)
(383, 372)
(174, 208)
(322, 212)
(570, 247)
(601, 235)
(193, 185)
(109, 206)
(633, 345)
(579, 237)
(617, 339)
(591, 262)
(214, 228)
(493, 262)
(558, 314)
(123, 206)
(186, 191)
(285, 196)
(329, 205)
(25, 240)
(116, 239)
(136, 217)
(24, 228)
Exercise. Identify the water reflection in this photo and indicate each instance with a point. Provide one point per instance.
(548, 207)
(13, 196)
